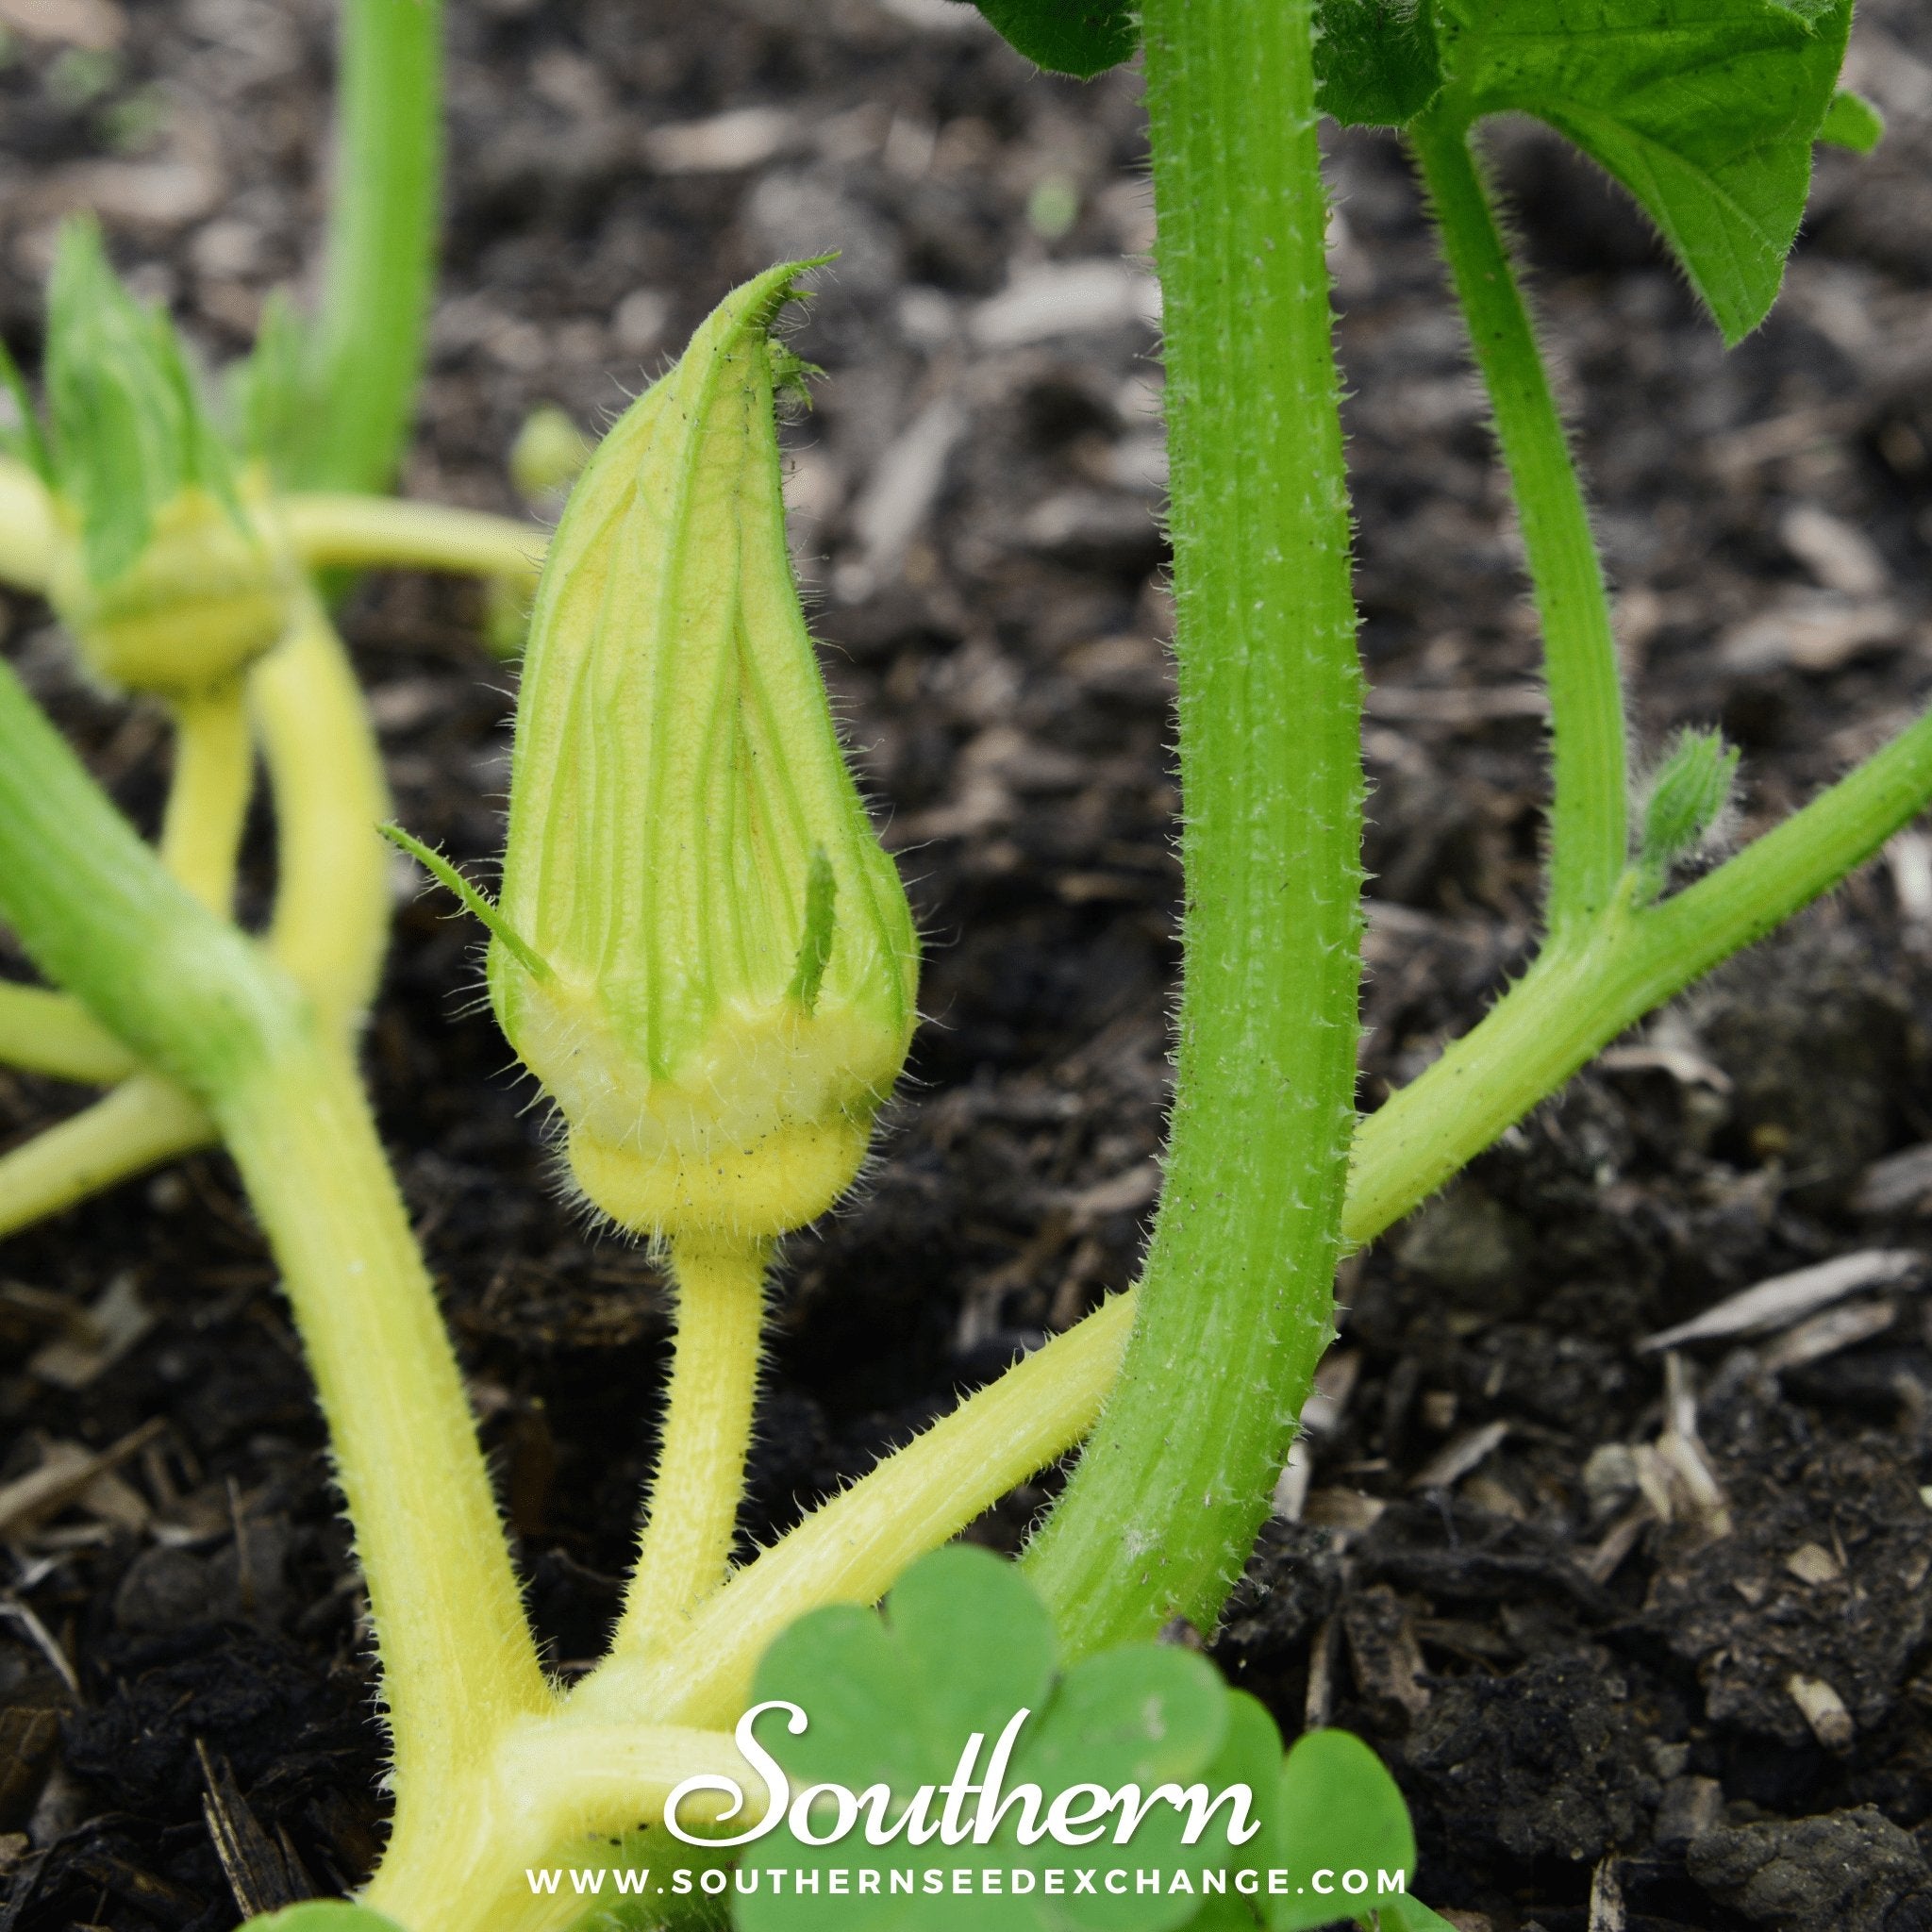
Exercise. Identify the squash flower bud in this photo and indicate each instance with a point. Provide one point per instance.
(701, 950)
(168, 564)
(208, 593)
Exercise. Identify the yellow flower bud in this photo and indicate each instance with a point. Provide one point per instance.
(206, 594)
(701, 952)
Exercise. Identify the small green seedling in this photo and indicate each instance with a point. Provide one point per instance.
(704, 955)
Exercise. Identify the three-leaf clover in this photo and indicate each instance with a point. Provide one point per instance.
(962, 1646)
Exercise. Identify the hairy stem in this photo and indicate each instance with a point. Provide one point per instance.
(202, 1004)
(330, 927)
(686, 1547)
(144, 1121)
(367, 349)
(852, 1549)
(1589, 837)
(331, 920)
(1236, 1298)
(458, 1660)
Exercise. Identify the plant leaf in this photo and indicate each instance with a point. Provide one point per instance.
(323, 1915)
(1340, 1811)
(964, 1644)
(1376, 61)
(1852, 122)
(1705, 110)
(127, 431)
(1078, 37)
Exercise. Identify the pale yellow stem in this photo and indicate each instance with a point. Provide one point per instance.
(458, 1662)
(51, 1033)
(208, 799)
(686, 1547)
(331, 531)
(330, 926)
(144, 1122)
(852, 1549)
(555, 1791)
(331, 920)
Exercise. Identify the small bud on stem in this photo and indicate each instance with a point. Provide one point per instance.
(730, 960)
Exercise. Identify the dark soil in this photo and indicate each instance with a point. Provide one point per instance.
(1575, 1693)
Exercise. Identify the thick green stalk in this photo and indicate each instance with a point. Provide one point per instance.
(1588, 838)
(1236, 1299)
(202, 1004)
(367, 351)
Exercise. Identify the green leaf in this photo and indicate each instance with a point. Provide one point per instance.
(1687, 798)
(1340, 1812)
(1078, 37)
(268, 392)
(1376, 61)
(321, 1915)
(963, 1645)
(1705, 110)
(128, 433)
(1852, 122)
(26, 442)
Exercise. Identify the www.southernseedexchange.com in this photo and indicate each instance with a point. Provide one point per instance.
(985, 1881)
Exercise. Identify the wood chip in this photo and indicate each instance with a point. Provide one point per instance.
(1825, 1710)
(1814, 1563)
(1899, 1184)
(1827, 1333)
(43, 1641)
(66, 1470)
(262, 1875)
(1619, 1540)
(98, 25)
(1686, 1068)
(1787, 1298)
(1450, 1464)
(1812, 630)
(726, 143)
(1320, 1701)
(1606, 1899)
(1383, 1651)
(1350, 1510)
(114, 1323)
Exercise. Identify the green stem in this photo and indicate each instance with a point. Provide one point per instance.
(202, 1004)
(1236, 1298)
(1585, 990)
(367, 350)
(1589, 837)
(853, 1548)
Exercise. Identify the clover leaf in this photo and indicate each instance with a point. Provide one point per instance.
(1335, 1835)
(321, 1915)
(1078, 37)
(1705, 111)
(963, 1646)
